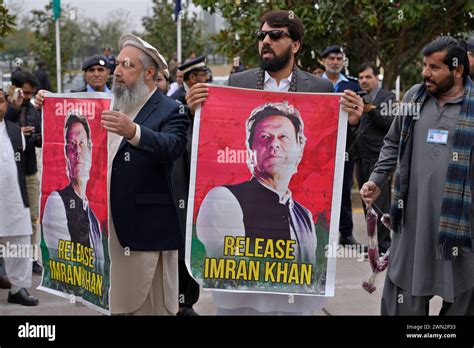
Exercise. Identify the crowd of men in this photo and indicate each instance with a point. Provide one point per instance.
(431, 214)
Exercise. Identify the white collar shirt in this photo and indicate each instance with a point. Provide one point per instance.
(270, 83)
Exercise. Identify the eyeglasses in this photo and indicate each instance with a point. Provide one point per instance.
(273, 34)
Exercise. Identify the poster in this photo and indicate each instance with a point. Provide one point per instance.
(73, 199)
(265, 191)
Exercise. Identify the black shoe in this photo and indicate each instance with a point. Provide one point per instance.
(23, 298)
(187, 311)
(351, 242)
(37, 268)
(5, 283)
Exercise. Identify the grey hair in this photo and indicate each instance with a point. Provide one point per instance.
(147, 62)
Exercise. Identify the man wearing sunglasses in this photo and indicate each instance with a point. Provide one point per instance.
(279, 42)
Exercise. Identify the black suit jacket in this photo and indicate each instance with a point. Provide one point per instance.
(351, 137)
(141, 194)
(28, 115)
(179, 95)
(305, 82)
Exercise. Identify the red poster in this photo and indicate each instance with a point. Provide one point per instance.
(73, 210)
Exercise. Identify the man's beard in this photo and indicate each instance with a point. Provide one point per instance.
(334, 71)
(277, 62)
(443, 86)
(127, 98)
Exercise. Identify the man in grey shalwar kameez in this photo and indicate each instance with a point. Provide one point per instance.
(418, 270)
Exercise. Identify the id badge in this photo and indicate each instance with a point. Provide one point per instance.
(437, 136)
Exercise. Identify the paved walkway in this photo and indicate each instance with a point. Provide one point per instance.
(350, 298)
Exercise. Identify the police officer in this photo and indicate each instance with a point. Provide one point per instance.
(334, 59)
(96, 74)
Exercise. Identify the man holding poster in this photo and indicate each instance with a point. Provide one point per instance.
(147, 133)
(139, 139)
(279, 42)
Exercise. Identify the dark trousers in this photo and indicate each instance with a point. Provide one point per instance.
(364, 168)
(3, 273)
(345, 222)
(397, 301)
(188, 288)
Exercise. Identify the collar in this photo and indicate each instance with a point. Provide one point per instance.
(149, 95)
(339, 80)
(451, 101)
(186, 87)
(268, 77)
(90, 89)
(85, 201)
(283, 198)
(374, 92)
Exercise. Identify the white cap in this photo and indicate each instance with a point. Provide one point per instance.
(132, 40)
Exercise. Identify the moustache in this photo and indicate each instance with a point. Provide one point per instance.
(430, 81)
(267, 48)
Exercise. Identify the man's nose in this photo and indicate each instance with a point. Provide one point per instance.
(76, 150)
(274, 143)
(118, 70)
(267, 40)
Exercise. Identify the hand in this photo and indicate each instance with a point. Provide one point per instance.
(369, 192)
(39, 98)
(118, 123)
(28, 130)
(17, 102)
(354, 106)
(196, 95)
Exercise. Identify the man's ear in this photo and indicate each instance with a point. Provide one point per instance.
(192, 79)
(251, 159)
(150, 71)
(459, 71)
(296, 46)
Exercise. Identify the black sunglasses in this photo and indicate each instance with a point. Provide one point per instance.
(273, 34)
